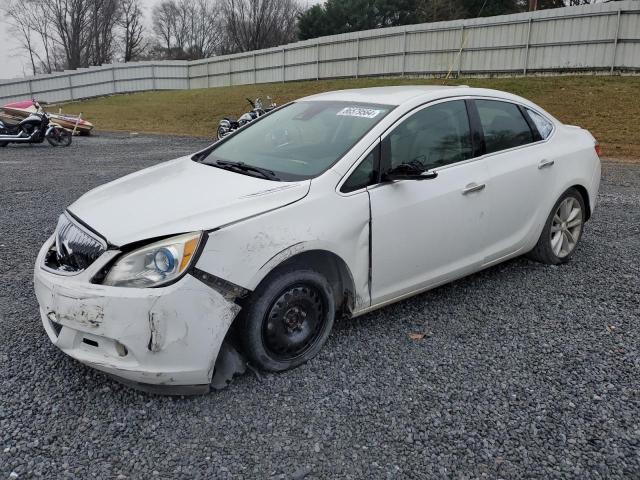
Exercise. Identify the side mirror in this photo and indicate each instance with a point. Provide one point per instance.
(407, 171)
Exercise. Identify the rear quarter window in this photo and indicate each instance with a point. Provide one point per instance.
(544, 125)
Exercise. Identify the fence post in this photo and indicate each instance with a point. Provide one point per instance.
(255, 76)
(153, 76)
(404, 50)
(283, 64)
(229, 72)
(460, 52)
(358, 56)
(113, 77)
(30, 89)
(615, 43)
(318, 60)
(70, 86)
(526, 48)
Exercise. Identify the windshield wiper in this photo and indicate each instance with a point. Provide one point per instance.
(228, 165)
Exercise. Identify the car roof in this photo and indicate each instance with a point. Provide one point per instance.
(395, 95)
(398, 95)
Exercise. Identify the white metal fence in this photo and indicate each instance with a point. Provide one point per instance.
(601, 37)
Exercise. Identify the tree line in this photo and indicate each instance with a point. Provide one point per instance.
(70, 34)
(343, 16)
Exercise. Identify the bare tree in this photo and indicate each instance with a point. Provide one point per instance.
(185, 12)
(19, 18)
(71, 20)
(30, 26)
(82, 30)
(65, 34)
(188, 29)
(132, 28)
(103, 15)
(256, 24)
(41, 26)
(206, 29)
(164, 24)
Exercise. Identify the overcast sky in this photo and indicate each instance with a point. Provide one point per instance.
(14, 61)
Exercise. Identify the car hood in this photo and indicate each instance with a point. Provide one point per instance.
(179, 196)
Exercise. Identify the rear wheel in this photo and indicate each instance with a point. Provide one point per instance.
(562, 231)
(59, 137)
(288, 320)
(3, 144)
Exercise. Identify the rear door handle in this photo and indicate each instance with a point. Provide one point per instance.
(545, 163)
(473, 187)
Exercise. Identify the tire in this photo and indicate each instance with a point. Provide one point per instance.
(562, 231)
(287, 321)
(3, 144)
(59, 137)
(222, 132)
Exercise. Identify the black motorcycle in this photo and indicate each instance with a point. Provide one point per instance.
(230, 124)
(35, 129)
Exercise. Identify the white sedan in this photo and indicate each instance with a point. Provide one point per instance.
(336, 204)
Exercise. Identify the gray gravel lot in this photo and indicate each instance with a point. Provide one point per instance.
(527, 371)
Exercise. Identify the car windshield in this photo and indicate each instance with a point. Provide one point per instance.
(299, 141)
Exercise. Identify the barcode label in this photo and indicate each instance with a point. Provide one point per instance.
(358, 112)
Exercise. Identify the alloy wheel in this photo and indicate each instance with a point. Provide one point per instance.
(566, 227)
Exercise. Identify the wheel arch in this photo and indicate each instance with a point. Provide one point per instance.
(328, 264)
(585, 197)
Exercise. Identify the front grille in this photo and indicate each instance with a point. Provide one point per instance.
(75, 248)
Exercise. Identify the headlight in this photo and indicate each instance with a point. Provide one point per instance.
(155, 264)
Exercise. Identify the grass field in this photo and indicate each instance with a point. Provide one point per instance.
(608, 106)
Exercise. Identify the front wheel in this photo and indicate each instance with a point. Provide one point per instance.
(59, 137)
(562, 230)
(222, 132)
(288, 320)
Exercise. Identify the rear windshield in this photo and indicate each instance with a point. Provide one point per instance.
(300, 140)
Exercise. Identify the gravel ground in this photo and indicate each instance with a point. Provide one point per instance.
(526, 371)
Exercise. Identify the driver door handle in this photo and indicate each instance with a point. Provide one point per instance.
(545, 163)
(473, 187)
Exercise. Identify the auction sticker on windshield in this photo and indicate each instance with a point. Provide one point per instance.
(358, 112)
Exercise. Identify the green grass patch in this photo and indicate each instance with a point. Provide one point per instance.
(607, 106)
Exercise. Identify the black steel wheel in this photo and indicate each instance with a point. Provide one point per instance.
(287, 320)
(294, 322)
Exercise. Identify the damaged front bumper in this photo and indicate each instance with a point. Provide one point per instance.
(163, 339)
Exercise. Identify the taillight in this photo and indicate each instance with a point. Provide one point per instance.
(598, 149)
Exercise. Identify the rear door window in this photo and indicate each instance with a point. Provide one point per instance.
(503, 125)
